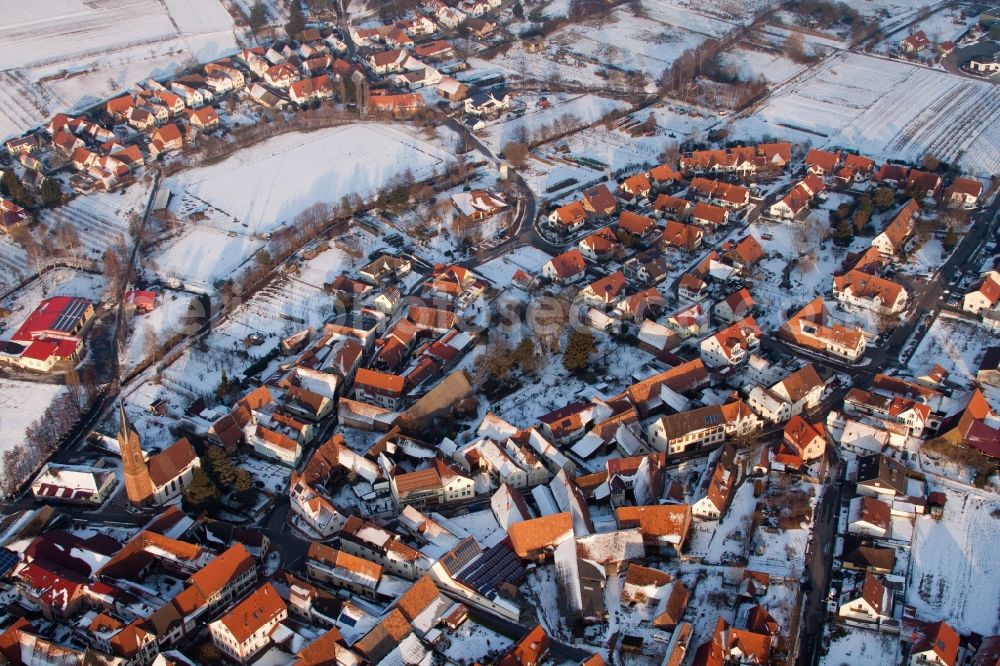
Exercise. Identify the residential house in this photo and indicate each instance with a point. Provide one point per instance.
(687, 237)
(436, 485)
(246, 629)
(799, 391)
(804, 439)
(636, 228)
(869, 516)
(963, 193)
(691, 288)
(720, 486)
(734, 307)
(709, 216)
(914, 43)
(674, 207)
(605, 292)
(923, 184)
(719, 193)
(387, 62)
(881, 477)
(934, 644)
(343, 571)
(984, 296)
(870, 291)
(893, 237)
(686, 431)
(646, 269)
(664, 527)
(599, 201)
(810, 327)
(731, 346)
(478, 204)
(743, 254)
(635, 187)
(690, 321)
(869, 604)
(488, 104)
(599, 246)
(568, 218)
(821, 162)
(378, 388)
(566, 268)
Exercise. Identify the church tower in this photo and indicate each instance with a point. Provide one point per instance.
(138, 485)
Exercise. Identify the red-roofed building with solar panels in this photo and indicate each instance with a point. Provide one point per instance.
(50, 334)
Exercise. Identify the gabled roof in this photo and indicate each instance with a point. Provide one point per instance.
(709, 213)
(939, 638)
(824, 159)
(540, 533)
(569, 263)
(166, 466)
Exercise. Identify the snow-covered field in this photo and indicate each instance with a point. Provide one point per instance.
(66, 54)
(201, 256)
(954, 343)
(267, 185)
(150, 331)
(501, 270)
(56, 282)
(584, 108)
(953, 574)
(861, 647)
(869, 103)
(22, 403)
(751, 63)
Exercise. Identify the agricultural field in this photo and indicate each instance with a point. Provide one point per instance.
(21, 404)
(954, 343)
(62, 55)
(267, 185)
(952, 563)
(854, 100)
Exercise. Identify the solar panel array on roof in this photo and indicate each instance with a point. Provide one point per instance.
(461, 555)
(70, 315)
(7, 560)
(497, 565)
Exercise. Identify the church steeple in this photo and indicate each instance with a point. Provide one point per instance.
(138, 485)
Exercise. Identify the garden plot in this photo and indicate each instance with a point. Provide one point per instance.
(500, 271)
(954, 343)
(68, 54)
(627, 42)
(947, 24)
(750, 63)
(953, 564)
(280, 309)
(100, 218)
(201, 256)
(741, 11)
(21, 404)
(861, 647)
(150, 331)
(578, 109)
(265, 186)
(868, 103)
(56, 282)
(472, 642)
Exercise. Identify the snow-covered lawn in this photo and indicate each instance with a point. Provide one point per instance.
(584, 108)
(948, 24)
(954, 343)
(751, 63)
(471, 642)
(56, 282)
(201, 256)
(151, 330)
(860, 647)
(61, 55)
(500, 270)
(867, 102)
(22, 403)
(265, 186)
(953, 574)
